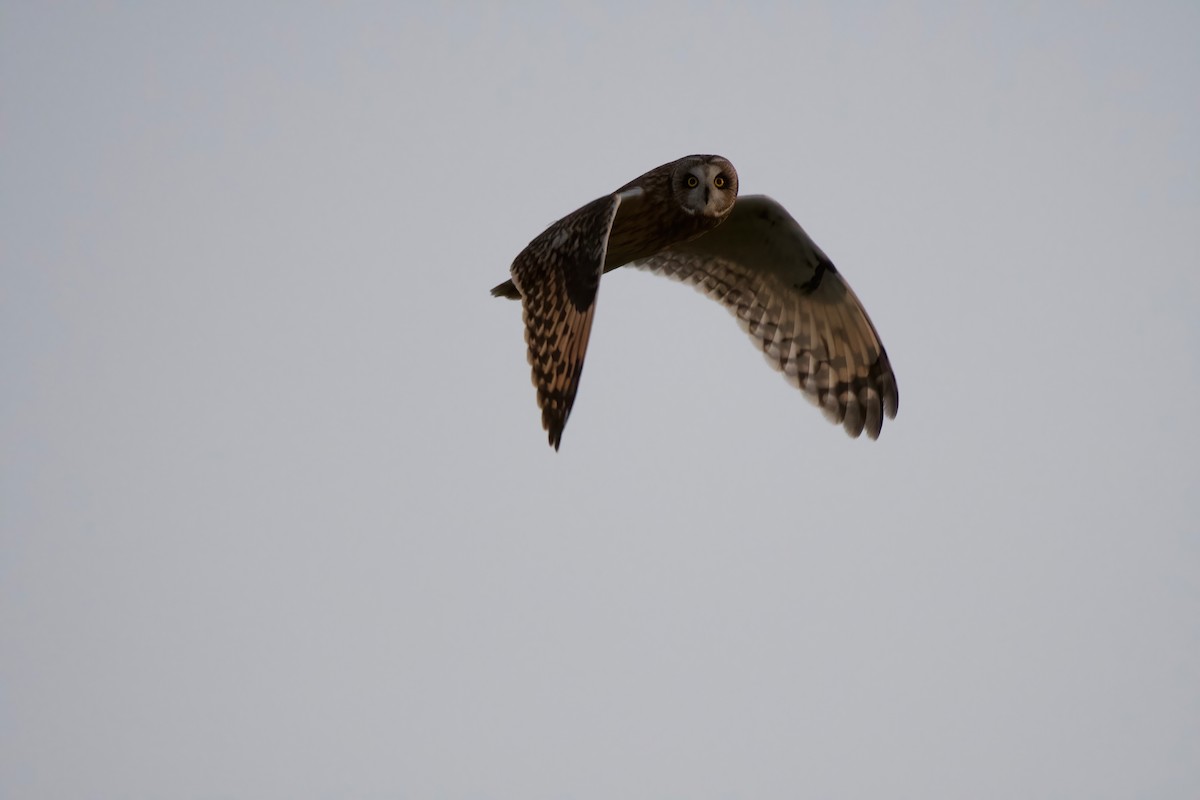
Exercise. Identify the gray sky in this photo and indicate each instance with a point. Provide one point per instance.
(277, 517)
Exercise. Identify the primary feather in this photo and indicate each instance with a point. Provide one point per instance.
(787, 294)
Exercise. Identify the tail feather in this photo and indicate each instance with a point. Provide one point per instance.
(507, 289)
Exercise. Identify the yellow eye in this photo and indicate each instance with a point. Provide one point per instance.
(719, 182)
(692, 182)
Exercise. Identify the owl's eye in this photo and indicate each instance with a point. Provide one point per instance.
(719, 181)
(692, 181)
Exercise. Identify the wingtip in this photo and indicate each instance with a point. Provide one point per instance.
(553, 425)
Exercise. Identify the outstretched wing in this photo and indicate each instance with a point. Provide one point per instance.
(788, 296)
(557, 276)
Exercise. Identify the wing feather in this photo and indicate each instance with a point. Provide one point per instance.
(786, 293)
(557, 276)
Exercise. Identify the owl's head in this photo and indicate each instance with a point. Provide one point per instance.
(705, 185)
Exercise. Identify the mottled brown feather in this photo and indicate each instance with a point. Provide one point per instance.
(557, 276)
(786, 293)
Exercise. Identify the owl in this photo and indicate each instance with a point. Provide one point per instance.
(685, 220)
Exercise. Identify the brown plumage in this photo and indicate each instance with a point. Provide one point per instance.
(784, 291)
(557, 274)
(790, 298)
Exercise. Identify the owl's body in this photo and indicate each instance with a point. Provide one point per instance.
(683, 220)
(650, 214)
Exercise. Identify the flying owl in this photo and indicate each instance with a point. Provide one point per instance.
(684, 220)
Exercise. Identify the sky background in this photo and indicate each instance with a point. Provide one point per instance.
(277, 515)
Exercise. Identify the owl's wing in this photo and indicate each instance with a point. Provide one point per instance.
(788, 296)
(557, 276)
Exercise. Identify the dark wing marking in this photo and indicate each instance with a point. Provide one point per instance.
(557, 276)
(788, 296)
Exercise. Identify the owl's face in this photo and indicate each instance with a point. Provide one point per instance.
(705, 185)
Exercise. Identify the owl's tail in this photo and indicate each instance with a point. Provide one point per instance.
(507, 289)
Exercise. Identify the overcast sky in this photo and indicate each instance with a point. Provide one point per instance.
(277, 515)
